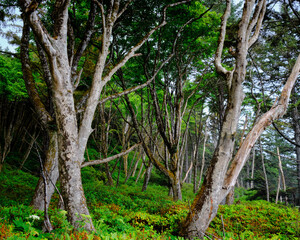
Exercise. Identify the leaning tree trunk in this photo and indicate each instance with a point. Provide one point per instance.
(204, 206)
(206, 203)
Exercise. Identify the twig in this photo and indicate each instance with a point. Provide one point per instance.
(223, 226)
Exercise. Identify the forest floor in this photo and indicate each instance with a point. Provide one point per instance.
(124, 212)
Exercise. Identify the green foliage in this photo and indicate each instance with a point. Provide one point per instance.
(12, 83)
(258, 219)
(125, 212)
(17, 187)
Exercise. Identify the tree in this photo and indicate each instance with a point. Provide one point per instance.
(170, 96)
(57, 41)
(219, 178)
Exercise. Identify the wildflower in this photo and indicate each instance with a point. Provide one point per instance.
(34, 217)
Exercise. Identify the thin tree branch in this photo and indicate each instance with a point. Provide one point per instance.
(105, 160)
(254, 37)
(220, 69)
(132, 51)
(285, 137)
(124, 8)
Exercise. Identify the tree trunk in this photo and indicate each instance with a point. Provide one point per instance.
(51, 174)
(140, 171)
(147, 176)
(110, 180)
(282, 176)
(206, 203)
(278, 188)
(264, 171)
(175, 177)
(230, 197)
(214, 189)
(176, 189)
(252, 168)
(70, 177)
(248, 175)
(137, 163)
(203, 156)
(296, 126)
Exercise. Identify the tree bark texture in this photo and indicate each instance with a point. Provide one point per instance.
(51, 174)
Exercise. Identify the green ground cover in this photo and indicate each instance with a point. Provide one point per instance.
(125, 212)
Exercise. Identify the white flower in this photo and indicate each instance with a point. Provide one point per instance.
(34, 217)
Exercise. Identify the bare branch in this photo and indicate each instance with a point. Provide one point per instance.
(60, 27)
(294, 10)
(254, 37)
(285, 137)
(124, 8)
(130, 90)
(103, 23)
(105, 160)
(42, 35)
(282, 156)
(254, 20)
(220, 69)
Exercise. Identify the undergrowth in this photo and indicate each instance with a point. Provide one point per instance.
(125, 212)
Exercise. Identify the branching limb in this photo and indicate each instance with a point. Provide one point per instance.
(132, 51)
